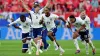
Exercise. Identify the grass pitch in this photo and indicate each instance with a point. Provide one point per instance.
(13, 48)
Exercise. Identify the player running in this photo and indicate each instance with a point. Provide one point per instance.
(87, 21)
(25, 23)
(37, 28)
(80, 29)
(48, 20)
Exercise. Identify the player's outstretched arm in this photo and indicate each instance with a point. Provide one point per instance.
(48, 3)
(62, 19)
(25, 6)
(16, 26)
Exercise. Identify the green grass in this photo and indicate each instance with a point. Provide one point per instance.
(13, 48)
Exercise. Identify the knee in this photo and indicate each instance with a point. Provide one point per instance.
(24, 50)
(75, 36)
(49, 34)
(24, 40)
(87, 41)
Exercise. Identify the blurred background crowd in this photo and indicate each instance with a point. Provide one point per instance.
(58, 6)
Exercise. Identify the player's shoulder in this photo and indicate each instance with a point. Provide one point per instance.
(78, 19)
(43, 15)
(31, 12)
(52, 14)
(18, 19)
(87, 17)
(28, 19)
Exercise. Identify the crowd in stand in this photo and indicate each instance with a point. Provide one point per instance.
(60, 6)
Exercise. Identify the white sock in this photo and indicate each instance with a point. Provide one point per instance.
(61, 49)
(91, 44)
(55, 44)
(76, 44)
(87, 48)
(29, 45)
(33, 43)
(38, 45)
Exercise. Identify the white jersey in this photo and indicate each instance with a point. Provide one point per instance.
(87, 22)
(49, 21)
(77, 24)
(25, 26)
(36, 17)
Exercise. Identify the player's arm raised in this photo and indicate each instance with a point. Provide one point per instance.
(25, 6)
(12, 23)
(48, 3)
(16, 26)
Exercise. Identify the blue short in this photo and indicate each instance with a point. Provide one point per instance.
(54, 30)
(37, 32)
(84, 35)
(25, 35)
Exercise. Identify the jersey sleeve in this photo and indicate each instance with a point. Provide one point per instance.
(31, 12)
(20, 27)
(56, 16)
(41, 11)
(29, 21)
(88, 20)
(14, 22)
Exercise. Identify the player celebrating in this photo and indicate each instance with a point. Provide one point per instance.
(48, 20)
(25, 26)
(37, 28)
(86, 19)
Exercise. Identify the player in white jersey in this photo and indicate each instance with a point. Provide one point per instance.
(37, 28)
(25, 23)
(80, 30)
(79, 26)
(87, 21)
(48, 20)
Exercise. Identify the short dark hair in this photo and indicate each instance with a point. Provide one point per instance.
(22, 16)
(71, 16)
(36, 4)
(81, 10)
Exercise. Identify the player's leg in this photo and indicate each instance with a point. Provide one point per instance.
(52, 38)
(44, 34)
(51, 35)
(76, 42)
(25, 45)
(38, 40)
(28, 40)
(84, 38)
(91, 45)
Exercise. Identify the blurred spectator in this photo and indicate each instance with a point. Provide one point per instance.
(98, 9)
(87, 5)
(95, 3)
(59, 6)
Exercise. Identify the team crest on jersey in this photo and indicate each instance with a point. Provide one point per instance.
(26, 23)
